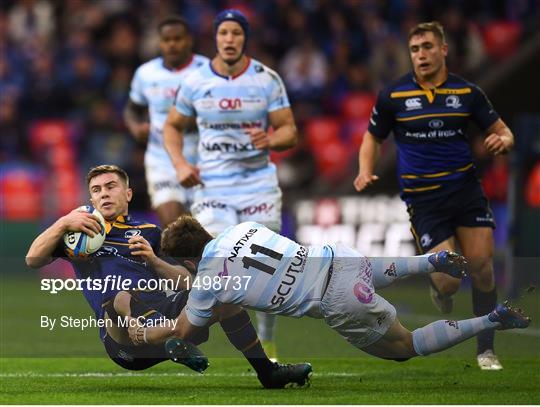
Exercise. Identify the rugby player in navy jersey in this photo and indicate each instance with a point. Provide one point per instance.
(130, 252)
(428, 111)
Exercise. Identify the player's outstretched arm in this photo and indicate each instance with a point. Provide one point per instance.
(43, 246)
(173, 140)
(136, 119)
(499, 139)
(179, 274)
(285, 134)
(367, 159)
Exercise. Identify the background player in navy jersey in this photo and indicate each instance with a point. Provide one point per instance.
(250, 266)
(130, 252)
(235, 99)
(428, 111)
(152, 93)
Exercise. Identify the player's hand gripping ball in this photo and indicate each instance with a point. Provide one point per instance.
(79, 244)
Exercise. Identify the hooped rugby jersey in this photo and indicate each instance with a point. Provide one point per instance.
(256, 268)
(225, 107)
(155, 86)
(114, 259)
(429, 127)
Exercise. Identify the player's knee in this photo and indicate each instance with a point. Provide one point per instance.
(122, 303)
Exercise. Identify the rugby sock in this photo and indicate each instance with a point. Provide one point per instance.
(265, 326)
(443, 334)
(242, 335)
(484, 303)
(386, 270)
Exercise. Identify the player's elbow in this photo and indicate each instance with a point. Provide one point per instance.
(35, 262)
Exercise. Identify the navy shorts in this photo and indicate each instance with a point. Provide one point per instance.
(434, 221)
(142, 357)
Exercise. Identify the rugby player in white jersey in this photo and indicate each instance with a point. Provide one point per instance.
(234, 99)
(153, 90)
(250, 266)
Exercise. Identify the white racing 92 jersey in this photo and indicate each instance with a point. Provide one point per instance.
(155, 86)
(256, 268)
(225, 107)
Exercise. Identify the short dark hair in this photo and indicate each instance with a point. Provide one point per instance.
(185, 238)
(433, 27)
(106, 169)
(173, 20)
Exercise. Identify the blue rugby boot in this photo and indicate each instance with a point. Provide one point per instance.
(447, 262)
(509, 317)
(187, 354)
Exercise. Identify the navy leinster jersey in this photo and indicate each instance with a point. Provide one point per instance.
(114, 259)
(429, 127)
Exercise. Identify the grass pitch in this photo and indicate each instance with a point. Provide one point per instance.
(69, 366)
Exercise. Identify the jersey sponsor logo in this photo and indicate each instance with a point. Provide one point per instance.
(487, 218)
(230, 104)
(453, 324)
(158, 186)
(254, 209)
(225, 271)
(232, 126)
(363, 292)
(436, 123)
(380, 320)
(413, 103)
(109, 250)
(240, 243)
(132, 233)
(285, 286)
(208, 205)
(425, 240)
(228, 147)
(453, 101)
(391, 270)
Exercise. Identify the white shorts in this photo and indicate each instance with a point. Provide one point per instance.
(217, 214)
(350, 305)
(163, 186)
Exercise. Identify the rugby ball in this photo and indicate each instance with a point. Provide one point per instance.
(79, 244)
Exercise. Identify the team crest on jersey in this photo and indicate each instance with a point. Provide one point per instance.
(132, 233)
(453, 101)
(413, 103)
(109, 250)
(436, 124)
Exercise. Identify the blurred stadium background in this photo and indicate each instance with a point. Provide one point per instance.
(65, 71)
(66, 66)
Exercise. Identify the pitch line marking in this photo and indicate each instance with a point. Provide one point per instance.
(129, 374)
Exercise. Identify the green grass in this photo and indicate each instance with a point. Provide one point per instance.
(69, 366)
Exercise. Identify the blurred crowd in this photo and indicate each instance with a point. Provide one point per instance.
(72, 61)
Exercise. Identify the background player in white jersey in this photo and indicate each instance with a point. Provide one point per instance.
(152, 94)
(253, 267)
(234, 99)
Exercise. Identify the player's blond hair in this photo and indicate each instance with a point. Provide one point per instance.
(107, 169)
(432, 26)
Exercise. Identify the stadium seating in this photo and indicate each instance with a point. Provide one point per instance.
(501, 38)
(357, 105)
